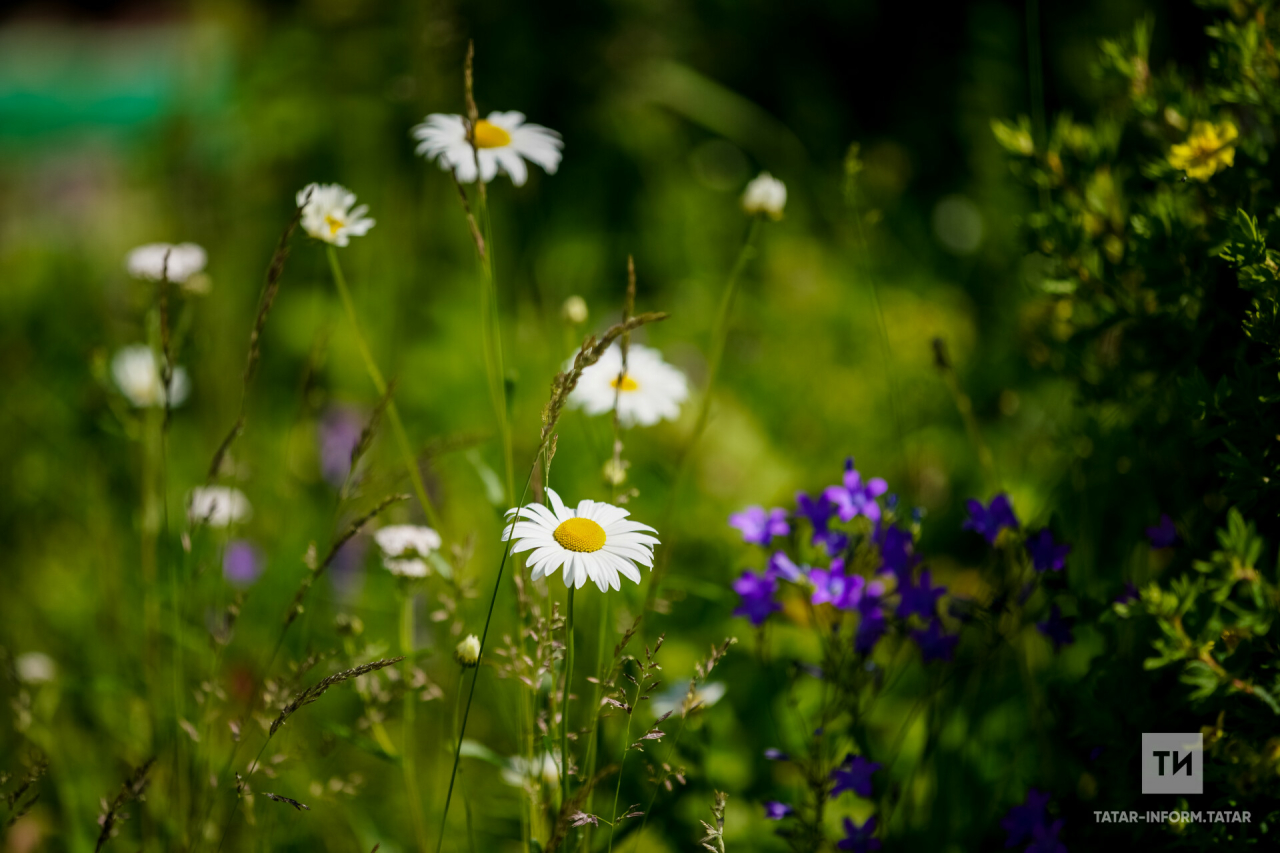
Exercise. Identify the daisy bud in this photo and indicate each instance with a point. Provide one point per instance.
(574, 310)
(766, 194)
(468, 651)
(615, 472)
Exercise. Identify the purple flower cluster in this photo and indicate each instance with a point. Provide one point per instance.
(1043, 552)
(893, 591)
(1029, 822)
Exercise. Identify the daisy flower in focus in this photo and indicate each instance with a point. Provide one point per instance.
(503, 142)
(1210, 147)
(650, 391)
(217, 506)
(594, 542)
(404, 546)
(765, 194)
(328, 213)
(136, 372)
(185, 260)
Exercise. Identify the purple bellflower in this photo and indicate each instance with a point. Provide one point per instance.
(1047, 555)
(759, 527)
(756, 594)
(988, 520)
(853, 774)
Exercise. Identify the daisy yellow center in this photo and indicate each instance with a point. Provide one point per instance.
(627, 383)
(335, 224)
(580, 534)
(489, 135)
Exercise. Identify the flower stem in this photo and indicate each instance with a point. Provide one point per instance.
(491, 335)
(719, 336)
(380, 384)
(622, 762)
(484, 636)
(564, 705)
(407, 759)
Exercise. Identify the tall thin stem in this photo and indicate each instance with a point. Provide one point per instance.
(719, 336)
(484, 636)
(408, 757)
(622, 762)
(491, 333)
(564, 705)
(380, 384)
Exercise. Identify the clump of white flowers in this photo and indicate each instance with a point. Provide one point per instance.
(137, 374)
(405, 548)
(503, 141)
(765, 195)
(184, 260)
(218, 506)
(329, 213)
(648, 391)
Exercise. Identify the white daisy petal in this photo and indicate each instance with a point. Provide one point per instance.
(651, 390)
(597, 542)
(503, 142)
(329, 214)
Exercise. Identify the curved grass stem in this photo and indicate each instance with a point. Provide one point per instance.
(380, 384)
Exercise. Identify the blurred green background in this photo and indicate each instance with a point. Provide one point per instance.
(124, 123)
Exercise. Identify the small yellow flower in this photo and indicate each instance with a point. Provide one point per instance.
(1210, 147)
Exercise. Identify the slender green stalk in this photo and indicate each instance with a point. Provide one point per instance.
(564, 705)
(622, 762)
(484, 636)
(593, 742)
(380, 384)
(407, 755)
(671, 751)
(719, 336)
(491, 335)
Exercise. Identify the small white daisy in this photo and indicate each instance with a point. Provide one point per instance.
(503, 142)
(185, 260)
(328, 214)
(404, 546)
(765, 194)
(217, 506)
(595, 542)
(650, 390)
(136, 371)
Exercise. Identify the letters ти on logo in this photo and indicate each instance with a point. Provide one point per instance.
(1173, 763)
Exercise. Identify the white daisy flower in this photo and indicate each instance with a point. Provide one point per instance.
(185, 260)
(765, 194)
(650, 390)
(404, 546)
(503, 142)
(594, 542)
(136, 371)
(328, 214)
(217, 506)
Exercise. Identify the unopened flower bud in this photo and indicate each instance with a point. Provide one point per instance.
(615, 472)
(468, 651)
(765, 194)
(575, 310)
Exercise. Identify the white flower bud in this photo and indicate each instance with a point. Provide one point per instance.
(766, 194)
